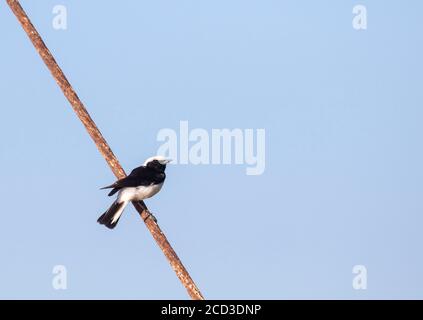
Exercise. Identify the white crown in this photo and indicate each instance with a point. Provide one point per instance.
(160, 159)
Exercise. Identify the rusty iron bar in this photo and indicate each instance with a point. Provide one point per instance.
(103, 146)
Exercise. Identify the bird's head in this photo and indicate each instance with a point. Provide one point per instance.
(157, 162)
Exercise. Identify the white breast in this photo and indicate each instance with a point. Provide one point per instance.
(139, 193)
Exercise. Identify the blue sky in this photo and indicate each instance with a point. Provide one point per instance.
(342, 111)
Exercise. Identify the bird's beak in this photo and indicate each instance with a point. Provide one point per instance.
(168, 161)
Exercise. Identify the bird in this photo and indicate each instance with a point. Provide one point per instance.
(142, 183)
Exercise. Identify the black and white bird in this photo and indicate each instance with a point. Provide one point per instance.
(142, 183)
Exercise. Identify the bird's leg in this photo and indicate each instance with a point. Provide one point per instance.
(150, 216)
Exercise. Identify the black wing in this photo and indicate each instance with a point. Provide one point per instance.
(141, 176)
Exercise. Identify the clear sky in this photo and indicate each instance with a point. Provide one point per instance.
(342, 111)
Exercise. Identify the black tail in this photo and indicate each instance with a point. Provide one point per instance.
(111, 217)
(114, 190)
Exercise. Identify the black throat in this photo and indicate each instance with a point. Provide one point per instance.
(156, 166)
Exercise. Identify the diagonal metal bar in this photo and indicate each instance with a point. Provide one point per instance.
(102, 146)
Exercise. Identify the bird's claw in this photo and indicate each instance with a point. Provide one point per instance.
(150, 216)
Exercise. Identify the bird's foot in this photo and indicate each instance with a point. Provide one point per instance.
(150, 216)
